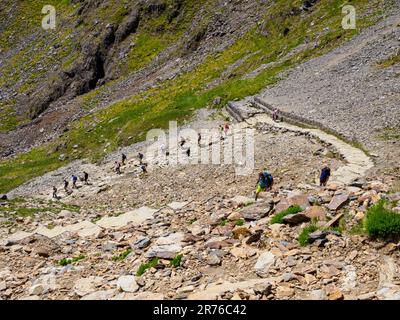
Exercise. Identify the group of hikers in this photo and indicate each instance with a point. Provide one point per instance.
(224, 133)
(266, 181)
(85, 177)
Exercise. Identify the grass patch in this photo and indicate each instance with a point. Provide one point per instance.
(122, 256)
(390, 61)
(144, 266)
(390, 134)
(239, 222)
(358, 229)
(395, 187)
(304, 237)
(64, 262)
(382, 222)
(278, 218)
(176, 262)
(223, 222)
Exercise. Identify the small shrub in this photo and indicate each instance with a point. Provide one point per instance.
(123, 255)
(278, 218)
(223, 222)
(304, 237)
(176, 262)
(239, 222)
(64, 262)
(382, 222)
(79, 258)
(144, 266)
(357, 229)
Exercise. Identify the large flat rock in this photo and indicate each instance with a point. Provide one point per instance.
(135, 217)
(166, 247)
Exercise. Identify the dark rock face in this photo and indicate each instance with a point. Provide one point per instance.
(128, 27)
(295, 219)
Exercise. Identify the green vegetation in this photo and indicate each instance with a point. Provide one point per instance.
(390, 61)
(223, 222)
(358, 229)
(382, 222)
(144, 266)
(278, 218)
(395, 187)
(65, 261)
(390, 134)
(22, 208)
(176, 262)
(304, 237)
(239, 222)
(176, 99)
(122, 256)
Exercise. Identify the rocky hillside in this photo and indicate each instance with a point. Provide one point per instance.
(194, 232)
(112, 70)
(73, 99)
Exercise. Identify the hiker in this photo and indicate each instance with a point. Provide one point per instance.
(199, 139)
(123, 159)
(143, 167)
(118, 167)
(182, 142)
(85, 177)
(226, 129)
(66, 183)
(141, 156)
(264, 183)
(222, 133)
(74, 180)
(325, 175)
(275, 115)
(55, 193)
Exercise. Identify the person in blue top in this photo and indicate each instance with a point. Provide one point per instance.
(264, 183)
(325, 175)
(74, 180)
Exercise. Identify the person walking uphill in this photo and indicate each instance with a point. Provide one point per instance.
(118, 167)
(140, 156)
(66, 183)
(85, 177)
(55, 196)
(74, 180)
(325, 175)
(264, 183)
(123, 159)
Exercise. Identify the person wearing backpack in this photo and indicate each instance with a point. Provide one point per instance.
(264, 183)
(66, 183)
(85, 177)
(74, 180)
(325, 175)
(123, 159)
(55, 196)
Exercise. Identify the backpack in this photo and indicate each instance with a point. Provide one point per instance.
(268, 178)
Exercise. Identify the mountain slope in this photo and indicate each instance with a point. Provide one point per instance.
(143, 63)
